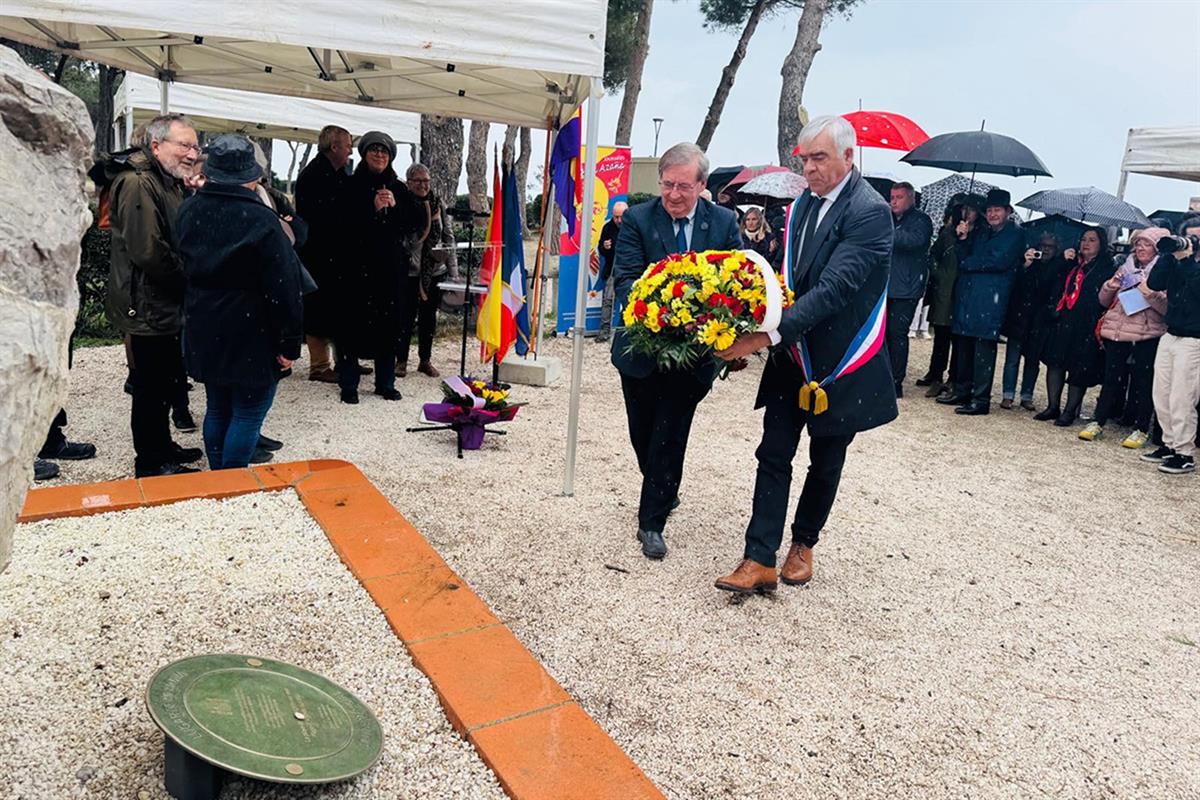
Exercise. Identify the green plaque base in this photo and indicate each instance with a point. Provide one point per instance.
(262, 719)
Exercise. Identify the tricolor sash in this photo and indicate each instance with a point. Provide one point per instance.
(863, 347)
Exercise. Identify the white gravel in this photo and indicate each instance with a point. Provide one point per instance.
(999, 610)
(91, 607)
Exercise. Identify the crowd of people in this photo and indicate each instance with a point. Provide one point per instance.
(1127, 323)
(215, 277)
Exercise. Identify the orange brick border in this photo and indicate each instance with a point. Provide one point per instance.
(528, 730)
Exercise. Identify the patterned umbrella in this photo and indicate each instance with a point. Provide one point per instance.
(749, 173)
(1087, 204)
(785, 185)
(936, 196)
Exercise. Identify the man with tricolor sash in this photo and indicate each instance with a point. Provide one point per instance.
(828, 369)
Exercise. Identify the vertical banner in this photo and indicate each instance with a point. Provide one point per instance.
(612, 185)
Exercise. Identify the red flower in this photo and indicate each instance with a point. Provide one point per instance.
(716, 299)
(659, 267)
(640, 309)
(759, 313)
(736, 306)
(677, 289)
(717, 258)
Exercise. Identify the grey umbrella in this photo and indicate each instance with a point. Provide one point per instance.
(1087, 204)
(779, 185)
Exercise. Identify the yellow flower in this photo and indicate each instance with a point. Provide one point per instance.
(719, 334)
(651, 320)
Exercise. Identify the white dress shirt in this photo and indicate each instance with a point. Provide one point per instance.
(829, 199)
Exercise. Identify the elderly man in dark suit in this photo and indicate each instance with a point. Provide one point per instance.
(660, 404)
(828, 369)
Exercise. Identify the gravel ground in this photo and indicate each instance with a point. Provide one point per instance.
(90, 608)
(999, 609)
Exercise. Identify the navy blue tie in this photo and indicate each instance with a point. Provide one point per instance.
(681, 235)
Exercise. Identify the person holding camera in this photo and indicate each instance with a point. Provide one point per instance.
(1072, 353)
(939, 294)
(1129, 333)
(434, 259)
(1028, 313)
(1177, 363)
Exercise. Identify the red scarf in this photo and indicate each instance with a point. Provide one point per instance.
(1070, 296)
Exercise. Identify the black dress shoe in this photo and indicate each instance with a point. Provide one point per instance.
(44, 470)
(953, 399)
(70, 451)
(363, 369)
(182, 418)
(261, 456)
(1049, 413)
(267, 443)
(653, 545)
(1065, 420)
(925, 381)
(349, 396)
(388, 394)
(974, 409)
(674, 504)
(185, 455)
(166, 469)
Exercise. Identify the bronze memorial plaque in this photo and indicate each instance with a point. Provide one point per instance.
(264, 719)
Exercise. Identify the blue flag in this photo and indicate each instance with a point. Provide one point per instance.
(566, 149)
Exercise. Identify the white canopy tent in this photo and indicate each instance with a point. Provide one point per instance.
(531, 63)
(215, 110)
(1165, 152)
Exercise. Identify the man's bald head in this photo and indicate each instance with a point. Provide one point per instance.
(618, 210)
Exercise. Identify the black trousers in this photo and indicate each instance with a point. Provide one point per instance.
(157, 379)
(1128, 368)
(424, 314)
(783, 422)
(900, 315)
(55, 439)
(660, 408)
(976, 368)
(939, 359)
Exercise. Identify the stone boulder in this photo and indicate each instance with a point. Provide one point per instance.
(45, 147)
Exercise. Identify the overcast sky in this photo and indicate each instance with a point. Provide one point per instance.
(1066, 78)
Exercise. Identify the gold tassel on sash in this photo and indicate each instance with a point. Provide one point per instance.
(813, 398)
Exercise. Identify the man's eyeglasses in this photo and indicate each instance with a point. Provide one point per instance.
(184, 145)
(678, 186)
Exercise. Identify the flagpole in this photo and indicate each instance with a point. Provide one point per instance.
(543, 250)
(577, 330)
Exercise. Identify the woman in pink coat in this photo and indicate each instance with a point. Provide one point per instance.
(1129, 333)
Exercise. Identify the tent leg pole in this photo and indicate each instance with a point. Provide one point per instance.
(128, 130)
(585, 240)
(164, 87)
(1121, 185)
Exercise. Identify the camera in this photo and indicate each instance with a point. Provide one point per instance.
(1037, 255)
(1168, 245)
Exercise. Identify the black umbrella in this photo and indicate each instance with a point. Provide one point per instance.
(977, 151)
(1087, 204)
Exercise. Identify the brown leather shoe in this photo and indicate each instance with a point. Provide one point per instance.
(797, 568)
(322, 375)
(748, 578)
(428, 369)
(401, 369)
(1006, 403)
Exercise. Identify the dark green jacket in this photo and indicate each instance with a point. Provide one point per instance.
(145, 279)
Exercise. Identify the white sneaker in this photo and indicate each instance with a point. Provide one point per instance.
(1092, 432)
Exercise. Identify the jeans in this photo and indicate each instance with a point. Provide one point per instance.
(157, 379)
(424, 314)
(606, 308)
(1012, 366)
(899, 316)
(232, 422)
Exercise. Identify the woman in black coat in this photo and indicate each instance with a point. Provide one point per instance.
(243, 317)
(1035, 294)
(384, 214)
(1072, 350)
